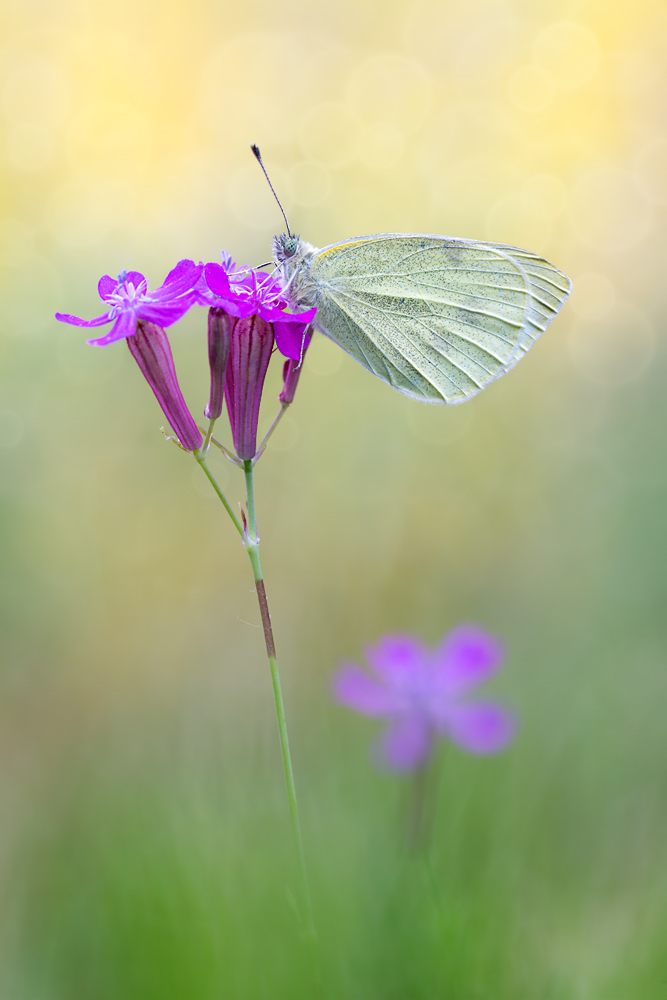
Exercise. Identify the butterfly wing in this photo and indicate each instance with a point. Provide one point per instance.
(438, 318)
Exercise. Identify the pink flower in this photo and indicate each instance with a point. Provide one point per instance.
(130, 301)
(246, 318)
(244, 292)
(423, 695)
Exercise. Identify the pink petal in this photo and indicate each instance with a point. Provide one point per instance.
(240, 308)
(275, 315)
(204, 295)
(181, 279)
(269, 283)
(166, 313)
(466, 657)
(244, 281)
(354, 688)
(137, 279)
(406, 743)
(75, 321)
(291, 339)
(482, 728)
(217, 279)
(124, 326)
(106, 286)
(398, 658)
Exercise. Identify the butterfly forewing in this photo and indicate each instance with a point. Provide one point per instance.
(437, 318)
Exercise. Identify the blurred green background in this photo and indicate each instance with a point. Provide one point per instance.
(145, 849)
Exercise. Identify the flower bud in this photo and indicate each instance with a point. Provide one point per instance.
(292, 371)
(219, 338)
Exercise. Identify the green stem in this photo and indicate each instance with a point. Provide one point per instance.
(207, 440)
(422, 804)
(250, 493)
(201, 459)
(260, 450)
(252, 546)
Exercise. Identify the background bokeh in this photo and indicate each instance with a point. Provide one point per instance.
(144, 839)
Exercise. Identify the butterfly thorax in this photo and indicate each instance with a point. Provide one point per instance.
(294, 257)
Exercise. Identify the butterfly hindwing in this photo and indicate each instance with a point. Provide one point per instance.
(436, 317)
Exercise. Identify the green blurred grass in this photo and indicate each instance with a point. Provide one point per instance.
(147, 845)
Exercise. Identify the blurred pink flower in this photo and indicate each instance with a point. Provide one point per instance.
(423, 695)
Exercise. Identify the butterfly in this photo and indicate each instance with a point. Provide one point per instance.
(436, 317)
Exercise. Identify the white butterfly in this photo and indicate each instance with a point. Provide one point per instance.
(436, 317)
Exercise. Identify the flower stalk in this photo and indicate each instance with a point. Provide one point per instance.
(200, 457)
(207, 439)
(248, 315)
(265, 439)
(250, 538)
(423, 788)
(251, 543)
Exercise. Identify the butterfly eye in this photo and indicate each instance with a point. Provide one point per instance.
(291, 245)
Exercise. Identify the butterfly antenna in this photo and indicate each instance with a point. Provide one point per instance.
(258, 157)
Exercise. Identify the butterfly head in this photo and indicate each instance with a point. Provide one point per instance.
(285, 246)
